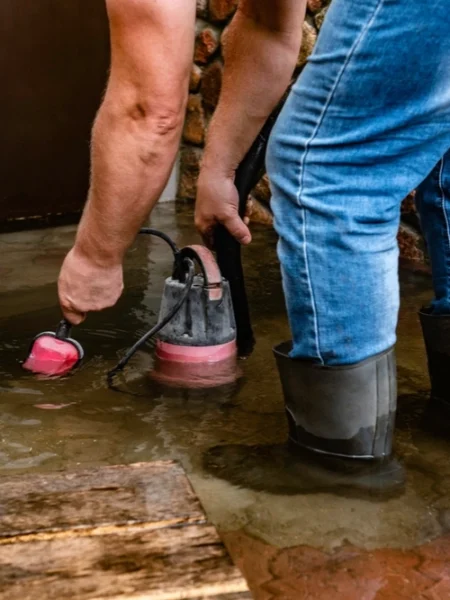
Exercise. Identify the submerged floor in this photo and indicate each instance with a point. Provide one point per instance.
(261, 500)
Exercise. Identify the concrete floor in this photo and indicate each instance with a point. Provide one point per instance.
(294, 536)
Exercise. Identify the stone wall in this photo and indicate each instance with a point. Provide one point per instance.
(204, 87)
(206, 78)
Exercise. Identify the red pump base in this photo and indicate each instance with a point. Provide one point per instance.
(195, 366)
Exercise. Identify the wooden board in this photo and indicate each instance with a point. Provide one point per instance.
(118, 533)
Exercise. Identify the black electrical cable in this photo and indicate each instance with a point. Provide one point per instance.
(157, 328)
(162, 236)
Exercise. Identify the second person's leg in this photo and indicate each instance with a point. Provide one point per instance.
(363, 126)
(433, 202)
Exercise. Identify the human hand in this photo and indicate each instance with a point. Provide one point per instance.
(85, 286)
(218, 202)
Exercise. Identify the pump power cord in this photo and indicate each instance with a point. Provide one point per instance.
(162, 236)
(190, 267)
(157, 328)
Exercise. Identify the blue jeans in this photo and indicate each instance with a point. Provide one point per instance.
(366, 123)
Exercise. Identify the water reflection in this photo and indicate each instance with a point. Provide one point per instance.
(279, 470)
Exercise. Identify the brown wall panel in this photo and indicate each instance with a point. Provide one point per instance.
(54, 57)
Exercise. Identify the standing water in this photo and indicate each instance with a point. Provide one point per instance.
(229, 440)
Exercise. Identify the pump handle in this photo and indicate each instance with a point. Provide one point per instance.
(208, 265)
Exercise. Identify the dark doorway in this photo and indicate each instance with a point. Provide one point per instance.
(54, 57)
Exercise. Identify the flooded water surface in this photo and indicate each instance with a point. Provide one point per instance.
(230, 441)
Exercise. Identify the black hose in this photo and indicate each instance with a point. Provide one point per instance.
(162, 236)
(228, 249)
(187, 262)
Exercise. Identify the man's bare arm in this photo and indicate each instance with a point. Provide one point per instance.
(261, 51)
(137, 130)
(134, 142)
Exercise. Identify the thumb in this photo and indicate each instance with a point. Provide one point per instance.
(238, 229)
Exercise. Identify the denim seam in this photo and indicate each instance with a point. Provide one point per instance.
(302, 170)
(441, 188)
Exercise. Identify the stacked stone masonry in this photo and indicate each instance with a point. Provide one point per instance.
(213, 17)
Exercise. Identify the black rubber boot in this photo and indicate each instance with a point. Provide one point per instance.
(347, 412)
(436, 333)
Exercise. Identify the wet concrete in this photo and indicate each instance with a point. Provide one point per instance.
(229, 441)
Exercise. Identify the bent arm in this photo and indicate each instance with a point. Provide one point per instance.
(138, 127)
(260, 53)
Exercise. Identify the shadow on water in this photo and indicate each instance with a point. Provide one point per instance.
(230, 440)
(278, 469)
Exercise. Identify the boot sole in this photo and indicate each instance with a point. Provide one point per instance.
(296, 447)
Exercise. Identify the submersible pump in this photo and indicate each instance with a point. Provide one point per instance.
(195, 335)
(197, 347)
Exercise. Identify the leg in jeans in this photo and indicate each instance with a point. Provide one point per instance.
(364, 125)
(433, 202)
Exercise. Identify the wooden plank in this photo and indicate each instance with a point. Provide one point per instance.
(132, 532)
(153, 493)
(184, 562)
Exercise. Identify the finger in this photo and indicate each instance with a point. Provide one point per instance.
(203, 224)
(238, 229)
(206, 228)
(74, 317)
(209, 238)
